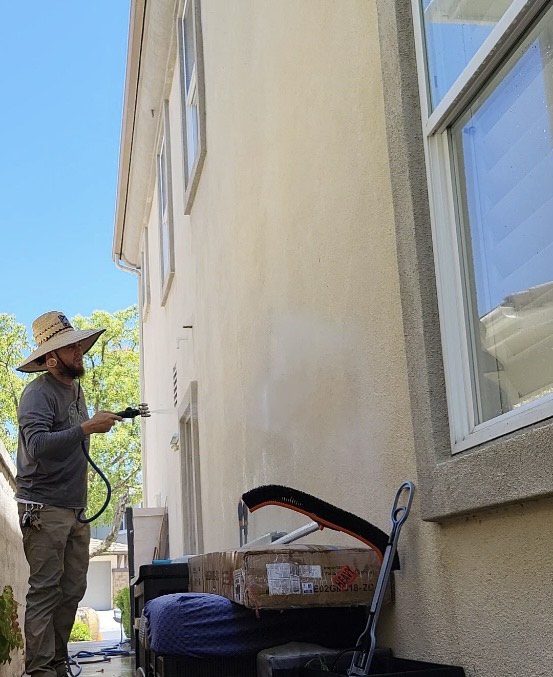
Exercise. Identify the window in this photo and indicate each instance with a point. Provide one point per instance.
(167, 258)
(454, 32)
(190, 472)
(487, 83)
(193, 97)
(145, 276)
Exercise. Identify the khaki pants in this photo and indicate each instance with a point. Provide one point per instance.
(57, 554)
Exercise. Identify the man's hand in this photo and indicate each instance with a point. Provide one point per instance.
(101, 422)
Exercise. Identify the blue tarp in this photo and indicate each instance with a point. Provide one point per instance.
(200, 625)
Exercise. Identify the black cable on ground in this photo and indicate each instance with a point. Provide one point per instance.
(70, 664)
(84, 657)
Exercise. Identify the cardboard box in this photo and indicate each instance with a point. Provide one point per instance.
(283, 576)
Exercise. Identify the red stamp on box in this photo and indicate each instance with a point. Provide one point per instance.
(345, 577)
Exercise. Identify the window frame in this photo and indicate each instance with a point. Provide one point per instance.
(164, 152)
(145, 288)
(190, 474)
(508, 33)
(193, 96)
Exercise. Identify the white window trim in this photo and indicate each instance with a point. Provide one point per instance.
(165, 144)
(491, 54)
(195, 94)
(190, 472)
(145, 288)
(464, 432)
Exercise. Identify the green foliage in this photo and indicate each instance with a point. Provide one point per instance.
(14, 347)
(122, 601)
(112, 382)
(80, 632)
(10, 632)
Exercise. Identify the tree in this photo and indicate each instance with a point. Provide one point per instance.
(111, 382)
(14, 347)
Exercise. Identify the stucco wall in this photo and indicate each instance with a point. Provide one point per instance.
(166, 343)
(481, 567)
(13, 566)
(300, 348)
(291, 237)
(287, 270)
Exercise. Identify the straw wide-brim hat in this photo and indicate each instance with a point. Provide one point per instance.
(53, 331)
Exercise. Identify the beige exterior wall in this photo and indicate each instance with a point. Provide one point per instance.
(13, 565)
(293, 245)
(166, 344)
(287, 271)
(296, 262)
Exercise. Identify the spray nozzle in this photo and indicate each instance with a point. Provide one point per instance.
(131, 412)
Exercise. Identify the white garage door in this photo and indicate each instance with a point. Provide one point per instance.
(98, 587)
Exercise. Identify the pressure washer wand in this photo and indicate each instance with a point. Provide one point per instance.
(130, 412)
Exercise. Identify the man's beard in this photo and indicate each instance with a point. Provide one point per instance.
(71, 371)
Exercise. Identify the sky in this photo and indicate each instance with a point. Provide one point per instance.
(62, 71)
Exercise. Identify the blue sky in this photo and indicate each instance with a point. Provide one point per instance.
(62, 69)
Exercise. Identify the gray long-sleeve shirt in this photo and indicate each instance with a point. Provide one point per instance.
(51, 467)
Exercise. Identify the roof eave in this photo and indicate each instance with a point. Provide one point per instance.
(136, 35)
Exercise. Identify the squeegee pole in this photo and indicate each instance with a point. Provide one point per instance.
(298, 533)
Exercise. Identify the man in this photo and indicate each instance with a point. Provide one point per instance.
(52, 487)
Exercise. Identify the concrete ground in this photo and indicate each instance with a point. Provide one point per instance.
(117, 666)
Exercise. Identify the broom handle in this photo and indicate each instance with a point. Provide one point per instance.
(366, 644)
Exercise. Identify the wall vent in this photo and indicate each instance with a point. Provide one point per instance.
(175, 386)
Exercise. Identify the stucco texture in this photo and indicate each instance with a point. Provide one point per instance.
(287, 270)
(298, 341)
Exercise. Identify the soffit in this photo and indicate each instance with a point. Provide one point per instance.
(151, 56)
